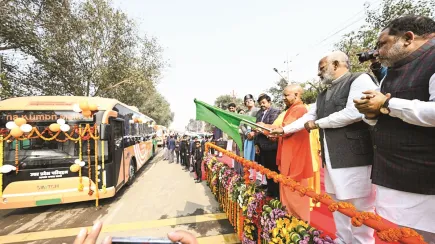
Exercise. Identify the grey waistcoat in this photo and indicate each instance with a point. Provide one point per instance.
(349, 146)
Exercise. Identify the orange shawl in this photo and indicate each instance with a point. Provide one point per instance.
(294, 152)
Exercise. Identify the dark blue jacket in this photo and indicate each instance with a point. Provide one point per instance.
(171, 144)
(261, 140)
(191, 146)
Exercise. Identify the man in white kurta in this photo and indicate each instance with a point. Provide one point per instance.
(407, 47)
(351, 184)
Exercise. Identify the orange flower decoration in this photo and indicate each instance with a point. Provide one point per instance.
(358, 218)
(396, 234)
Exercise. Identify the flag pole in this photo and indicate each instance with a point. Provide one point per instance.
(256, 125)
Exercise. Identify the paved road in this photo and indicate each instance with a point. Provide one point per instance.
(162, 198)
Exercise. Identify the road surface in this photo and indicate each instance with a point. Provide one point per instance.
(163, 198)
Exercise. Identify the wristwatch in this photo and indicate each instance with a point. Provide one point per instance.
(384, 108)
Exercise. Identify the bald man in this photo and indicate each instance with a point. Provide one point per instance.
(347, 152)
(294, 154)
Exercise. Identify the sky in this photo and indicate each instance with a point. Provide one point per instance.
(215, 48)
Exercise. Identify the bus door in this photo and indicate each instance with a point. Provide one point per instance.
(117, 147)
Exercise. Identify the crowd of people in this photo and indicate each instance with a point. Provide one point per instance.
(188, 151)
(374, 137)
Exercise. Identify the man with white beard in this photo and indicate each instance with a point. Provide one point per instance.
(347, 151)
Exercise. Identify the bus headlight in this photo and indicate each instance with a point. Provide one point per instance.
(5, 200)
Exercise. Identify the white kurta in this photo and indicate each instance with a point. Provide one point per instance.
(345, 183)
(405, 208)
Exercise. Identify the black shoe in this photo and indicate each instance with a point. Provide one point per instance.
(198, 181)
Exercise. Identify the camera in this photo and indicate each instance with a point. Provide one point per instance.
(366, 56)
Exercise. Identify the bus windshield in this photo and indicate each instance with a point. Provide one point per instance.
(39, 153)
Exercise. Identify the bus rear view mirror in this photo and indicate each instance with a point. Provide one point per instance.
(104, 132)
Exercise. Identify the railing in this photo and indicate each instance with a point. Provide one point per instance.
(385, 231)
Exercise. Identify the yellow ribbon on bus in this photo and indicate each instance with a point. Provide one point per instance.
(81, 186)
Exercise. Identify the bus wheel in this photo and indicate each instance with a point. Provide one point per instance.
(132, 172)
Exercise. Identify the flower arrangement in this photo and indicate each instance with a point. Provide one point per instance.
(271, 213)
(226, 176)
(241, 190)
(289, 229)
(233, 192)
(255, 217)
(253, 205)
(249, 232)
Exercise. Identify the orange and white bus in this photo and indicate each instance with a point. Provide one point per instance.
(64, 149)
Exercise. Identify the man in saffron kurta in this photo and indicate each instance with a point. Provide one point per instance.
(294, 155)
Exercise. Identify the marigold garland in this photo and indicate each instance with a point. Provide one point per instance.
(395, 234)
(97, 195)
(81, 186)
(90, 192)
(391, 234)
(88, 132)
(320, 197)
(246, 175)
(16, 156)
(340, 205)
(359, 218)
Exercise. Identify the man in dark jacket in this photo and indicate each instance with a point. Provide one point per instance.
(184, 152)
(191, 150)
(265, 147)
(177, 150)
(403, 116)
(171, 148)
(197, 160)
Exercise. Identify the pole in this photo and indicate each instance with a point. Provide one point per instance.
(276, 70)
(255, 125)
(288, 69)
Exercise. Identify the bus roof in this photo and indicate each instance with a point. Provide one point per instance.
(59, 103)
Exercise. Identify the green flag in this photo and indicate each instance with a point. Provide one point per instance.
(226, 121)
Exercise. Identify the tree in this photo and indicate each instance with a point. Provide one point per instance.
(223, 101)
(195, 125)
(365, 38)
(311, 89)
(276, 93)
(81, 48)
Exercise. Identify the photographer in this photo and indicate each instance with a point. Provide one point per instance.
(378, 70)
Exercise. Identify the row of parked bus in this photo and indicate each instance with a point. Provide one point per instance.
(63, 155)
